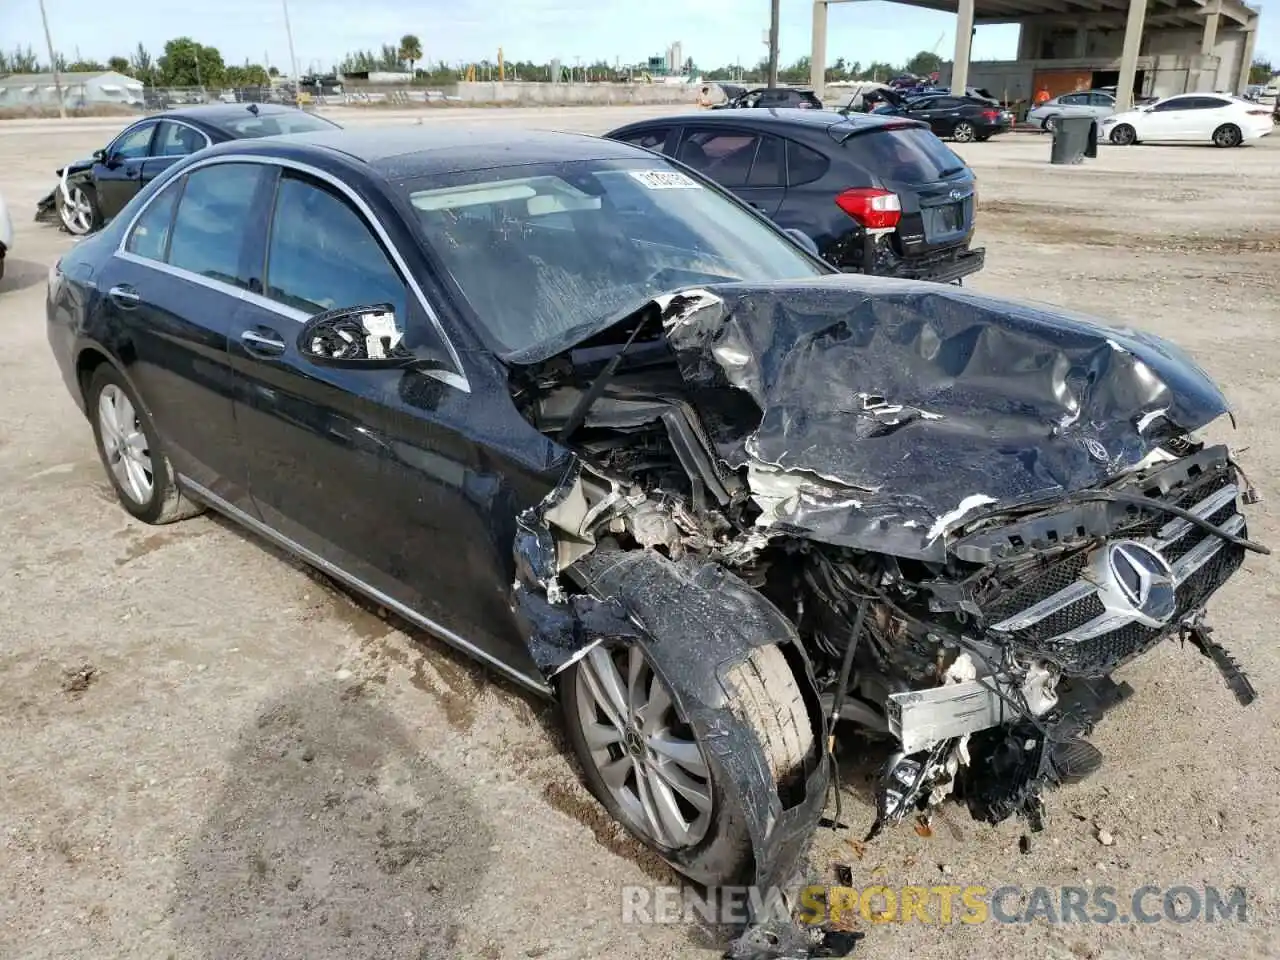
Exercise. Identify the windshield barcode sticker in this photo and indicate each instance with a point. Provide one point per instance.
(665, 180)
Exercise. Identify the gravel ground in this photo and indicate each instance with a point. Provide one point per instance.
(209, 752)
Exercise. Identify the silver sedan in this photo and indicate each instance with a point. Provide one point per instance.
(1083, 103)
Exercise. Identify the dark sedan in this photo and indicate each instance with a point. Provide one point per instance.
(92, 191)
(875, 195)
(964, 119)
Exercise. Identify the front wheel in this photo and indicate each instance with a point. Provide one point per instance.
(963, 132)
(1124, 135)
(649, 768)
(1227, 135)
(78, 210)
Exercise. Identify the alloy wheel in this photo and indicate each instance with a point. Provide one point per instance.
(1226, 136)
(76, 212)
(642, 748)
(125, 444)
(963, 132)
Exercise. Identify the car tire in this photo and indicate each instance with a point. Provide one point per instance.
(1049, 123)
(1, 267)
(1124, 135)
(131, 452)
(1227, 135)
(83, 215)
(963, 132)
(717, 848)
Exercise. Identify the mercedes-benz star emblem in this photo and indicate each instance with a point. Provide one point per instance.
(1138, 581)
(1096, 450)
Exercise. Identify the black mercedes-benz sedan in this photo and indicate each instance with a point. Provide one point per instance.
(92, 191)
(596, 421)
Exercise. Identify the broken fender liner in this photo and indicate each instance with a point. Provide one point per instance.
(886, 404)
(697, 621)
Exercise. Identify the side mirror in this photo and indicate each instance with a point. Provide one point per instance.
(100, 156)
(802, 238)
(363, 338)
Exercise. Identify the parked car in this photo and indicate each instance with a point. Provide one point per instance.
(1224, 121)
(90, 192)
(874, 195)
(6, 234)
(964, 119)
(592, 420)
(742, 98)
(1084, 103)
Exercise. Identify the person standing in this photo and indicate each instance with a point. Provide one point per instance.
(1042, 95)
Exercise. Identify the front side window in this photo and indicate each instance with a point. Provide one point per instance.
(322, 255)
(547, 254)
(213, 220)
(1165, 105)
(133, 144)
(177, 140)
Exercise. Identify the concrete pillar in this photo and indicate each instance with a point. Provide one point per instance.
(1028, 39)
(1209, 39)
(1081, 50)
(1246, 55)
(1129, 53)
(964, 43)
(818, 53)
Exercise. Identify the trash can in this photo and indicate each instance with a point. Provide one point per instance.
(1074, 138)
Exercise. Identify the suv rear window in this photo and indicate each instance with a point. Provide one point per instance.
(911, 154)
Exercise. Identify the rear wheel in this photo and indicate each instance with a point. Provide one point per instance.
(1050, 123)
(964, 132)
(649, 768)
(127, 444)
(1124, 135)
(1227, 135)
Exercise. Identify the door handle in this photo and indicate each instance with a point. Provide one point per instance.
(124, 296)
(266, 343)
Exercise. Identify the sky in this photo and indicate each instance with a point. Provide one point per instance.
(713, 32)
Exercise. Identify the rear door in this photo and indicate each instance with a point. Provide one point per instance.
(174, 289)
(118, 177)
(751, 164)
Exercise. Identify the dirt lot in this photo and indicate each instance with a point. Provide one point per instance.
(209, 753)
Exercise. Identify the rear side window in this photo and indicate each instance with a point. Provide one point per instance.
(213, 219)
(724, 156)
(150, 236)
(770, 166)
(323, 255)
(804, 165)
(649, 139)
(177, 140)
(911, 155)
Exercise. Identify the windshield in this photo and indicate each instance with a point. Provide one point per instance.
(273, 124)
(547, 254)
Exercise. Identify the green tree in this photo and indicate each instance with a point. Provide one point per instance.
(20, 60)
(924, 63)
(1260, 71)
(410, 49)
(118, 64)
(186, 63)
(85, 66)
(143, 67)
(249, 75)
(389, 59)
(272, 72)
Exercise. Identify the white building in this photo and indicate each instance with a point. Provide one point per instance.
(78, 90)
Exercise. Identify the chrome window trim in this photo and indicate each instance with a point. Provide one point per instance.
(182, 123)
(458, 380)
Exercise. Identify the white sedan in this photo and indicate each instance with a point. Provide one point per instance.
(6, 234)
(1220, 119)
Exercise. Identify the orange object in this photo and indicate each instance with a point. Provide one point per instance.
(1042, 96)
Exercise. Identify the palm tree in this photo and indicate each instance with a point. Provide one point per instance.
(410, 49)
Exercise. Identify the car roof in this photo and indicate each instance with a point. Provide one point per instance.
(774, 117)
(216, 113)
(423, 151)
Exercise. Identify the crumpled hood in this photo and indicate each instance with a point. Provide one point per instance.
(889, 409)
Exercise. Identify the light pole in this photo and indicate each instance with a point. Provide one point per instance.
(53, 63)
(288, 30)
(773, 43)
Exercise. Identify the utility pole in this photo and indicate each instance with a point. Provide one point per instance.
(773, 42)
(53, 63)
(288, 30)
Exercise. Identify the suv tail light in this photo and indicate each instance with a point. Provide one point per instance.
(990, 114)
(874, 209)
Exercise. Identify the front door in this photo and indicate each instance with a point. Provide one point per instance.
(118, 176)
(371, 471)
(175, 289)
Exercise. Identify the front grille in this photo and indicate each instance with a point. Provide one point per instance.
(1060, 613)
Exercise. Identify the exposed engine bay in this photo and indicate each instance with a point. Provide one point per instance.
(971, 512)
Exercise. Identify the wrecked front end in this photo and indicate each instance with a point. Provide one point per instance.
(958, 515)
